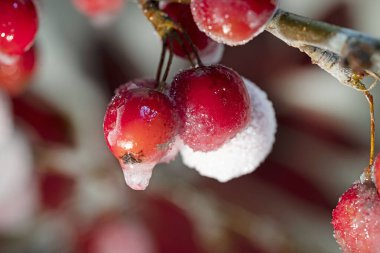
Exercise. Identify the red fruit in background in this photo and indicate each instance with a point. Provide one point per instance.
(18, 26)
(45, 123)
(232, 22)
(55, 188)
(93, 8)
(213, 105)
(356, 219)
(171, 227)
(181, 14)
(113, 234)
(139, 125)
(15, 76)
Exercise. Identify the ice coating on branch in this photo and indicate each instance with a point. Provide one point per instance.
(356, 219)
(243, 153)
(137, 175)
(6, 124)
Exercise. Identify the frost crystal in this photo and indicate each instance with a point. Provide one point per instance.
(243, 153)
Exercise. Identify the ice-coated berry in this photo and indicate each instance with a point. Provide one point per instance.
(139, 127)
(207, 47)
(244, 152)
(18, 26)
(356, 219)
(15, 75)
(213, 106)
(232, 22)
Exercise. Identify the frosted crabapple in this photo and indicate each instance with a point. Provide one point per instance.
(209, 50)
(15, 75)
(18, 26)
(139, 128)
(232, 22)
(212, 103)
(355, 219)
(244, 152)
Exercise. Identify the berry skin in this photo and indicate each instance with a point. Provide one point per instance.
(181, 14)
(355, 219)
(232, 22)
(213, 105)
(15, 76)
(94, 8)
(18, 26)
(139, 124)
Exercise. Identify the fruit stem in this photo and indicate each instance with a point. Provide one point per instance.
(161, 63)
(159, 19)
(372, 124)
(193, 48)
(184, 48)
(176, 1)
(165, 26)
(169, 63)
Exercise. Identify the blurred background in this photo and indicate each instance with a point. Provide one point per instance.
(62, 191)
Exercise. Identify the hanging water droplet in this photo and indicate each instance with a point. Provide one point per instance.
(137, 176)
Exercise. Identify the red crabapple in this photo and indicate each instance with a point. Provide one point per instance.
(232, 22)
(376, 172)
(356, 219)
(244, 152)
(139, 128)
(209, 50)
(15, 76)
(213, 105)
(98, 8)
(18, 26)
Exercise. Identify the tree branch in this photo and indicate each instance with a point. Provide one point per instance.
(358, 51)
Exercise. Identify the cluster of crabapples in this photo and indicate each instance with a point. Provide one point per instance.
(222, 124)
